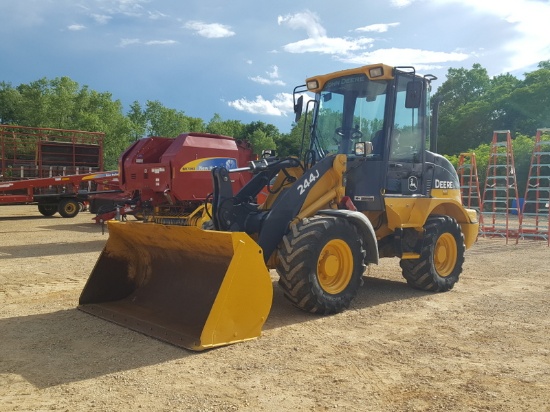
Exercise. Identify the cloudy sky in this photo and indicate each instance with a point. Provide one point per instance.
(242, 58)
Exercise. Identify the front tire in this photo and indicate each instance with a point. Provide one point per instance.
(441, 258)
(68, 207)
(321, 264)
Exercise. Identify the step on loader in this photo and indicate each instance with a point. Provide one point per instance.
(367, 185)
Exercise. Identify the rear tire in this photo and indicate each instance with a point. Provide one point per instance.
(320, 264)
(441, 258)
(68, 207)
(47, 209)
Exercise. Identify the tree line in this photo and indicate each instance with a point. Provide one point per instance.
(63, 104)
(472, 106)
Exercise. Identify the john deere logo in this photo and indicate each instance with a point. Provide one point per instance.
(413, 183)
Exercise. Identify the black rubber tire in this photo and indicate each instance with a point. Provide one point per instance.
(441, 258)
(301, 266)
(68, 207)
(47, 209)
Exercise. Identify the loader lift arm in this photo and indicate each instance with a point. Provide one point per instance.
(238, 213)
(231, 210)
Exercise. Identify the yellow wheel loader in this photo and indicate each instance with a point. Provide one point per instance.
(368, 185)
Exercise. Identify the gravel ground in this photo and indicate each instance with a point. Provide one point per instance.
(484, 346)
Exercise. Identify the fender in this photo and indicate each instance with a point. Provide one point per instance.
(364, 227)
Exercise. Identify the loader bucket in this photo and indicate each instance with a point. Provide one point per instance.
(190, 287)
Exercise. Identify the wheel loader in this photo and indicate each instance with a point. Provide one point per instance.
(368, 185)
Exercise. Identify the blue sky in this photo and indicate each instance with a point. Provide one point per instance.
(242, 58)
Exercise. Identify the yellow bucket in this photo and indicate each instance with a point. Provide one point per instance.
(193, 288)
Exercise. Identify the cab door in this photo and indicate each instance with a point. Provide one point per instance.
(407, 138)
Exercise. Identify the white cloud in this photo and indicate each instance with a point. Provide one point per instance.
(306, 20)
(263, 80)
(318, 41)
(127, 42)
(377, 28)
(281, 105)
(274, 73)
(132, 8)
(155, 15)
(210, 30)
(272, 78)
(401, 3)
(76, 27)
(160, 42)
(101, 18)
(359, 51)
(395, 56)
(327, 45)
(529, 18)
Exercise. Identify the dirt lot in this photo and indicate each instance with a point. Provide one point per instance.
(484, 346)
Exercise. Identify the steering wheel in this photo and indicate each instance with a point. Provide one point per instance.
(355, 133)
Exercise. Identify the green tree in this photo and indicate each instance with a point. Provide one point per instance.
(260, 141)
(33, 105)
(473, 106)
(460, 97)
(162, 121)
(497, 96)
(62, 103)
(138, 119)
(231, 128)
(462, 86)
(269, 129)
(10, 101)
(97, 111)
(530, 103)
(290, 144)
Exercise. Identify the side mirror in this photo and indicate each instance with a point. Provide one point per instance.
(362, 148)
(413, 98)
(298, 108)
(268, 153)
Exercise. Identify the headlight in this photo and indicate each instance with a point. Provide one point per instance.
(312, 84)
(376, 72)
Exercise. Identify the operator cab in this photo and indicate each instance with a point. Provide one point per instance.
(379, 117)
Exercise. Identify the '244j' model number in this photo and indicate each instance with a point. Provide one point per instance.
(312, 178)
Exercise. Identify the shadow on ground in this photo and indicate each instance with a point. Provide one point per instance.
(50, 249)
(65, 346)
(374, 292)
(69, 345)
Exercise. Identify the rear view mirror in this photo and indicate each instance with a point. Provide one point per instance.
(298, 108)
(414, 95)
(362, 148)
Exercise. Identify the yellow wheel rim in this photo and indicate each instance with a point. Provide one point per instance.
(70, 208)
(335, 266)
(445, 254)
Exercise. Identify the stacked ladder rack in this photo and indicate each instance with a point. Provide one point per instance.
(469, 181)
(500, 210)
(534, 220)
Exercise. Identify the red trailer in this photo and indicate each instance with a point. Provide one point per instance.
(63, 194)
(55, 169)
(37, 152)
